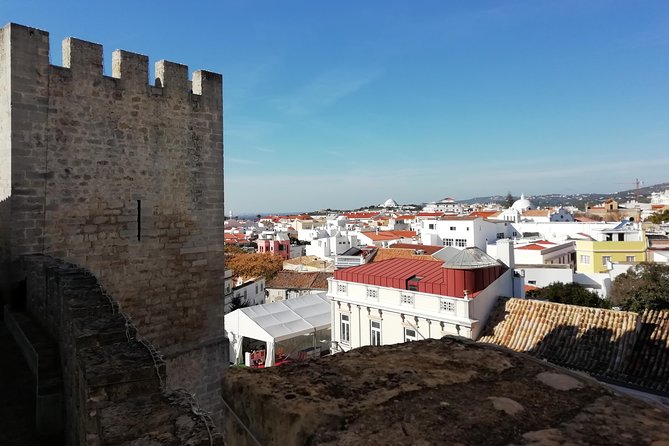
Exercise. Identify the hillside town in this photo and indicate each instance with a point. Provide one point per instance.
(392, 274)
(133, 311)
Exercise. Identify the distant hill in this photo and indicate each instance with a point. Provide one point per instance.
(578, 200)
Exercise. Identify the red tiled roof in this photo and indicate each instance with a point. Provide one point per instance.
(405, 217)
(484, 214)
(429, 249)
(532, 247)
(429, 214)
(297, 280)
(469, 217)
(389, 235)
(394, 253)
(355, 215)
(434, 278)
(536, 213)
(617, 345)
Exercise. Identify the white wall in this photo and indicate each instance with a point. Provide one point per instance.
(252, 292)
(481, 306)
(541, 277)
(476, 233)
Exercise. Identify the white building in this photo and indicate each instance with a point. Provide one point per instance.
(403, 300)
(446, 205)
(660, 197)
(331, 243)
(465, 231)
(249, 293)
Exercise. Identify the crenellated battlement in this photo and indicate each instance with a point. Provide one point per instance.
(84, 59)
(125, 179)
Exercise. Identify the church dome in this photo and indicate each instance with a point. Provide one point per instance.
(390, 203)
(522, 204)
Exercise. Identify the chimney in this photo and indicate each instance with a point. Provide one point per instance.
(505, 252)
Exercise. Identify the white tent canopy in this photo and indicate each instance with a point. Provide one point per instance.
(277, 321)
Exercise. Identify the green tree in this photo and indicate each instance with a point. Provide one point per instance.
(569, 293)
(660, 217)
(237, 302)
(643, 286)
(509, 200)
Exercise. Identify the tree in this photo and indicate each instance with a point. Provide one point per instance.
(237, 302)
(231, 250)
(509, 200)
(569, 293)
(253, 265)
(660, 217)
(643, 286)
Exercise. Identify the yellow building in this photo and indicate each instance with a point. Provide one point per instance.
(617, 245)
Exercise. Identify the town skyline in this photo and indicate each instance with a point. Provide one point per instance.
(338, 105)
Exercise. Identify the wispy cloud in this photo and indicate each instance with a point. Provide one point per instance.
(265, 150)
(324, 91)
(244, 161)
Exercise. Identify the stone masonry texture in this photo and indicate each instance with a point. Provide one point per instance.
(125, 179)
(113, 380)
(450, 391)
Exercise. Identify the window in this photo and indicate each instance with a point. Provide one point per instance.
(448, 242)
(500, 235)
(406, 299)
(452, 228)
(375, 332)
(447, 305)
(585, 259)
(532, 282)
(410, 335)
(606, 259)
(460, 242)
(372, 293)
(341, 288)
(630, 259)
(345, 335)
(430, 226)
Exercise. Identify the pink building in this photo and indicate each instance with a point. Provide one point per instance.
(277, 246)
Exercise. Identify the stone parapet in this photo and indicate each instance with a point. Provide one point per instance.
(114, 381)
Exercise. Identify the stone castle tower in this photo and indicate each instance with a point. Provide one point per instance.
(125, 179)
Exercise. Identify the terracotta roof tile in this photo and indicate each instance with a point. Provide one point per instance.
(485, 214)
(532, 247)
(401, 253)
(429, 249)
(297, 280)
(616, 345)
(536, 213)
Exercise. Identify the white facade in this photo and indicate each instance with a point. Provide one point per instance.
(251, 293)
(327, 247)
(560, 231)
(551, 254)
(543, 276)
(395, 315)
(660, 197)
(461, 233)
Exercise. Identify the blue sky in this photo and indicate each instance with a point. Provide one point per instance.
(348, 103)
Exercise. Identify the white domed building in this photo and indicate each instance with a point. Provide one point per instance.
(389, 203)
(523, 204)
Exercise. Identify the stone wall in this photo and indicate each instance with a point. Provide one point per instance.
(125, 179)
(113, 380)
(432, 392)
